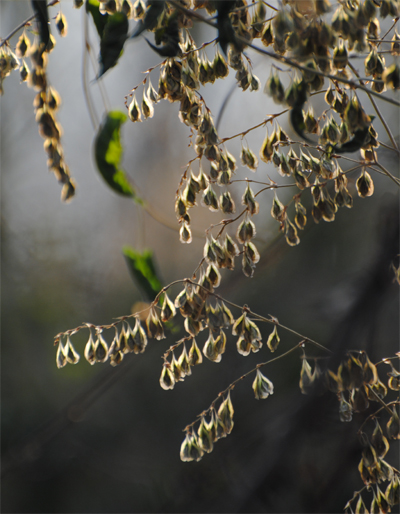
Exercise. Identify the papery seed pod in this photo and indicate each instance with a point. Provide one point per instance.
(365, 185)
(167, 380)
(249, 201)
(61, 24)
(392, 492)
(300, 178)
(345, 411)
(219, 66)
(53, 99)
(183, 362)
(192, 326)
(23, 45)
(138, 10)
(391, 76)
(230, 246)
(134, 111)
(243, 346)
(224, 178)
(284, 169)
(227, 204)
(89, 350)
(273, 339)
(262, 387)
(210, 351)
(23, 72)
(360, 507)
(61, 359)
(154, 326)
(194, 356)
(213, 275)
(340, 57)
(100, 349)
(359, 401)
(225, 414)
(251, 252)
(189, 194)
(210, 199)
(278, 210)
(70, 353)
(291, 236)
(247, 265)
(267, 35)
(147, 107)
(393, 425)
(330, 96)
(274, 88)
(246, 231)
(180, 207)
(168, 310)
(185, 233)
(205, 436)
(379, 441)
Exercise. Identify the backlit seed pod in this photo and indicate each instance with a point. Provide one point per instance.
(24, 72)
(167, 379)
(61, 359)
(61, 24)
(266, 150)
(168, 310)
(139, 338)
(183, 363)
(291, 236)
(126, 7)
(180, 207)
(249, 201)
(23, 45)
(220, 67)
(392, 492)
(70, 353)
(370, 62)
(192, 326)
(273, 339)
(243, 346)
(330, 96)
(379, 441)
(89, 350)
(391, 76)
(138, 10)
(247, 265)
(274, 88)
(246, 231)
(48, 127)
(395, 46)
(300, 178)
(262, 387)
(210, 350)
(134, 111)
(225, 414)
(230, 246)
(53, 99)
(267, 37)
(147, 107)
(227, 204)
(224, 178)
(340, 57)
(38, 79)
(213, 275)
(154, 326)
(100, 349)
(205, 436)
(210, 199)
(278, 210)
(365, 185)
(251, 252)
(195, 356)
(189, 195)
(185, 233)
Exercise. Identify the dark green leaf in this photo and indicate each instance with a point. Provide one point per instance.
(112, 41)
(99, 19)
(142, 268)
(108, 153)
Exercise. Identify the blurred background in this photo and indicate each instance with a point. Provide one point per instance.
(102, 439)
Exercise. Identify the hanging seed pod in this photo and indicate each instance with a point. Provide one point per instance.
(391, 76)
(134, 111)
(262, 387)
(225, 414)
(291, 236)
(53, 99)
(246, 231)
(154, 326)
(168, 310)
(24, 72)
(167, 379)
(340, 57)
(278, 210)
(249, 201)
(61, 359)
(227, 204)
(365, 185)
(251, 252)
(100, 349)
(147, 107)
(267, 37)
(300, 216)
(273, 339)
(185, 233)
(210, 199)
(220, 66)
(284, 168)
(23, 45)
(61, 24)
(274, 88)
(393, 426)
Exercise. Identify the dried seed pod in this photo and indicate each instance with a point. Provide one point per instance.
(24, 72)
(220, 66)
(100, 349)
(365, 185)
(262, 387)
(291, 236)
(195, 356)
(249, 201)
(273, 339)
(267, 37)
(23, 45)
(278, 210)
(210, 199)
(154, 326)
(61, 24)
(53, 99)
(393, 425)
(205, 435)
(251, 252)
(227, 204)
(167, 380)
(225, 414)
(168, 310)
(147, 107)
(246, 231)
(138, 10)
(134, 111)
(391, 76)
(340, 57)
(185, 233)
(274, 88)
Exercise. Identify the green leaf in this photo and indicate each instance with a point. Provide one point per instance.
(141, 266)
(108, 153)
(99, 19)
(112, 41)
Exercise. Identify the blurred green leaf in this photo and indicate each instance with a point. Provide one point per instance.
(108, 152)
(141, 266)
(99, 19)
